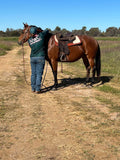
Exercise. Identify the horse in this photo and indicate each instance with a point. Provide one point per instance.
(88, 50)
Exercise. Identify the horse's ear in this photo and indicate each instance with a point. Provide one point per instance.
(25, 25)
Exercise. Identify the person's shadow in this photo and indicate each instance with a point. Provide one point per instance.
(65, 82)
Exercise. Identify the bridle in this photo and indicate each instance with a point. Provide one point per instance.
(25, 32)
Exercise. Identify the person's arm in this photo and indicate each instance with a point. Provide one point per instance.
(45, 32)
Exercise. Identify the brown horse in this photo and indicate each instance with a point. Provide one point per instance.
(88, 50)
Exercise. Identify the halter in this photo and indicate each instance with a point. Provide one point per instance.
(26, 31)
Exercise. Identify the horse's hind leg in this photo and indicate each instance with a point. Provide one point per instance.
(87, 65)
(92, 66)
(53, 63)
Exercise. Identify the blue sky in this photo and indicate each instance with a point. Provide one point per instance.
(69, 14)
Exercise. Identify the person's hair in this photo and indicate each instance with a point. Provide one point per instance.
(38, 28)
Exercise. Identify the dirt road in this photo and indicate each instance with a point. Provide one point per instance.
(67, 124)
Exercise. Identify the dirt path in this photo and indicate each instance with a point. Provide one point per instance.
(67, 124)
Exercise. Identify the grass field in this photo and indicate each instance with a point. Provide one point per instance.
(6, 44)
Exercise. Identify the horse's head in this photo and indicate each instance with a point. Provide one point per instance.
(26, 34)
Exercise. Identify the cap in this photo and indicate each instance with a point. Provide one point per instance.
(33, 30)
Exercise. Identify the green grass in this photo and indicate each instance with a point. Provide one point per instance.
(20, 52)
(6, 44)
(109, 89)
(76, 69)
(3, 110)
(111, 105)
(110, 58)
(115, 108)
(108, 38)
(5, 107)
(4, 47)
(15, 39)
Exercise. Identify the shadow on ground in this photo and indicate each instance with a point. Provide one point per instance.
(65, 82)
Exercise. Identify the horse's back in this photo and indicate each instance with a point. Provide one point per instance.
(88, 40)
(89, 44)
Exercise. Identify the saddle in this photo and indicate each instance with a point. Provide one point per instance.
(63, 41)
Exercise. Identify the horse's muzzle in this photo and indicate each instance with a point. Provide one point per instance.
(20, 42)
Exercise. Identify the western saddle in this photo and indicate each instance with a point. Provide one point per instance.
(63, 41)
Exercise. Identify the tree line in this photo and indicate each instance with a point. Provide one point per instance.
(95, 32)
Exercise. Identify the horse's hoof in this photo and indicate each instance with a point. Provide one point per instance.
(90, 86)
(54, 89)
(84, 85)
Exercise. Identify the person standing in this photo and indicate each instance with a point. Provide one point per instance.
(37, 57)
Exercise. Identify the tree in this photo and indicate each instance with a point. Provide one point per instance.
(83, 30)
(112, 31)
(76, 32)
(49, 30)
(2, 34)
(57, 29)
(94, 32)
(64, 31)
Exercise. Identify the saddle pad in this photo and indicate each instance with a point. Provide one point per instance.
(75, 42)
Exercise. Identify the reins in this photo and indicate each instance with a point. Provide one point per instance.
(24, 66)
(44, 76)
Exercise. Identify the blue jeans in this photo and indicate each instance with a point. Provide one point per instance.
(37, 67)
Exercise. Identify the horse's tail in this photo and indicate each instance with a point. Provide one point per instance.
(98, 62)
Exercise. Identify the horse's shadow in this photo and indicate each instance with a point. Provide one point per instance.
(65, 82)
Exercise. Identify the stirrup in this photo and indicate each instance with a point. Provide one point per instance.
(63, 57)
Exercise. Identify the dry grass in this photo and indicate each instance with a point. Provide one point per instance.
(6, 44)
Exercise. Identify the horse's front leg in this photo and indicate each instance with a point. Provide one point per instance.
(54, 65)
(55, 80)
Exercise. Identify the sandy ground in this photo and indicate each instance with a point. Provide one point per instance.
(67, 124)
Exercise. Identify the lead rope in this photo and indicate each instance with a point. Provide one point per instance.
(61, 67)
(44, 76)
(24, 66)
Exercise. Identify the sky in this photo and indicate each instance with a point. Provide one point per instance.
(68, 14)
